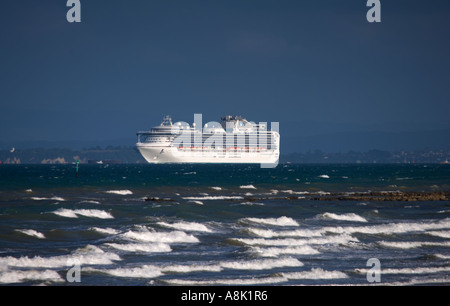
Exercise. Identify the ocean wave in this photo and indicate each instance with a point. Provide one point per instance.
(324, 176)
(93, 213)
(192, 268)
(31, 232)
(89, 256)
(247, 187)
(19, 276)
(343, 217)
(216, 188)
(390, 228)
(145, 271)
(268, 233)
(412, 244)
(418, 270)
(315, 273)
(281, 221)
(250, 203)
(442, 234)
(90, 202)
(292, 250)
(332, 239)
(231, 281)
(106, 231)
(262, 264)
(164, 237)
(196, 202)
(52, 198)
(120, 192)
(187, 226)
(214, 198)
(294, 192)
(442, 256)
(141, 247)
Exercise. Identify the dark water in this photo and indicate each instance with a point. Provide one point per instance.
(220, 225)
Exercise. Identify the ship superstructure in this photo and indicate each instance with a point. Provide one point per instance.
(233, 140)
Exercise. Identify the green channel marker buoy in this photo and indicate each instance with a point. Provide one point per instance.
(77, 168)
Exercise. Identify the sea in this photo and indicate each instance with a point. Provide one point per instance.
(224, 225)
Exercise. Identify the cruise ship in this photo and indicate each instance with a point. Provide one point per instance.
(233, 140)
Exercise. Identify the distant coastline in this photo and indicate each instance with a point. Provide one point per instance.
(129, 155)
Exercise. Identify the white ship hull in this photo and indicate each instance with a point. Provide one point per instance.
(164, 154)
(235, 140)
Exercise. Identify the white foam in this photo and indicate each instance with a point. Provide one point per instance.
(343, 217)
(419, 270)
(315, 273)
(442, 234)
(63, 212)
(412, 244)
(442, 256)
(19, 276)
(107, 231)
(332, 239)
(120, 192)
(294, 250)
(252, 203)
(186, 226)
(295, 233)
(262, 264)
(164, 237)
(294, 192)
(281, 221)
(89, 256)
(214, 198)
(324, 176)
(93, 213)
(145, 271)
(31, 232)
(44, 199)
(391, 228)
(247, 187)
(90, 202)
(216, 188)
(196, 202)
(141, 247)
(191, 268)
(237, 282)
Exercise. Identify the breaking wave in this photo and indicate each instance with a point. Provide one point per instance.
(247, 187)
(187, 226)
(343, 217)
(93, 213)
(120, 192)
(164, 237)
(145, 271)
(52, 198)
(214, 198)
(19, 276)
(282, 221)
(106, 231)
(313, 274)
(141, 247)
(390, 228)
(31, 232)
(90, 255)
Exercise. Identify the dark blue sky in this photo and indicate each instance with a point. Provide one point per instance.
(316, 66)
